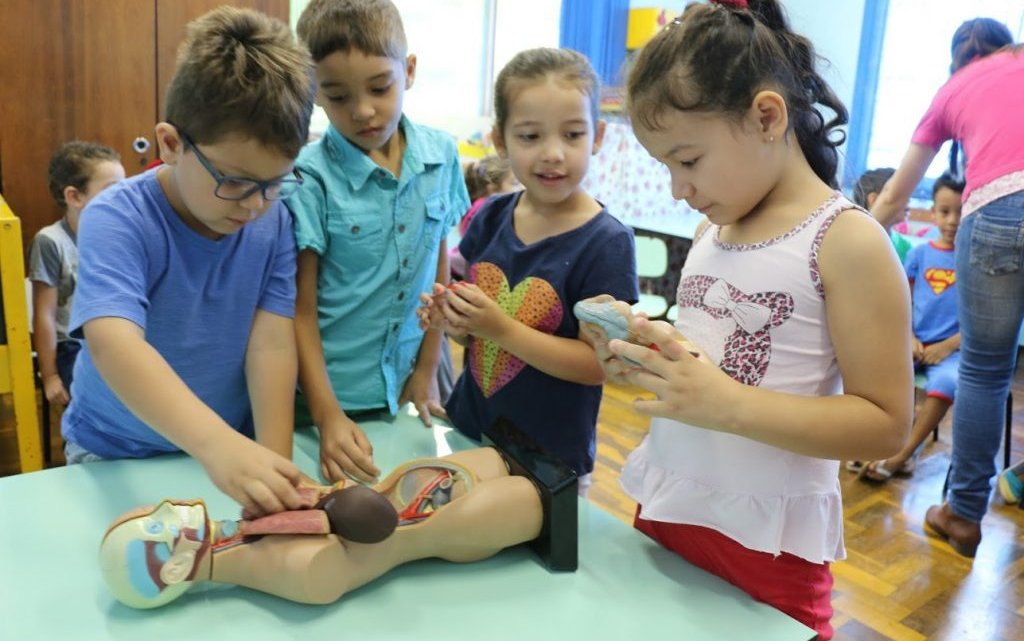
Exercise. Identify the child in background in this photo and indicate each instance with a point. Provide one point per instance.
(864, 194)
(186, 286)
(789, 292)
(371, 220)
(532, 255)
(931, 268)
(485, 177)
(78, 171)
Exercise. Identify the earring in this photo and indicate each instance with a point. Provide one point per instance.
(771, 138)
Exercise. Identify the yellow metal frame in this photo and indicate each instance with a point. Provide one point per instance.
(16, 377)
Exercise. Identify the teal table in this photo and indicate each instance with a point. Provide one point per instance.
(627, 587)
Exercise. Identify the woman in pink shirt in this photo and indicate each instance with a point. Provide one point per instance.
(979, 107)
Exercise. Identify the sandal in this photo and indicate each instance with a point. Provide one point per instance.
(877, 471)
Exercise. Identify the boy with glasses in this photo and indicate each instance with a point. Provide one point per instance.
(186, 292)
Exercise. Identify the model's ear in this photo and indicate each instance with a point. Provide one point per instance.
(410, 70)
(169, 141)
(769, 115)
(599, 127)
(498, 140)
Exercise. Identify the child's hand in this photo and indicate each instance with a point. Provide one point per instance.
(688, 386)
(345, 451)
(594, 335)
(936, 352)
(430, 312)
(471, 311)
(261, 480)
(421, 390)
(54, 390)
(918, 352)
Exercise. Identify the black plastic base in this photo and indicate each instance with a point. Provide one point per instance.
(557, 544)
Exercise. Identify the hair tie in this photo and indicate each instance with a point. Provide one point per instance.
(735, 4)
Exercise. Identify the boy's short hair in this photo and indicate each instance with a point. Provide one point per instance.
(374, 27)
(241, 72)
(871, 182)
(72, 165)
(948, 181)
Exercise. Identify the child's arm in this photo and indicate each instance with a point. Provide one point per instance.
(421, 388)
(868, 315)
(571, 359)
(261, 480)
(344, 448)
(44, 334)
(271, 368)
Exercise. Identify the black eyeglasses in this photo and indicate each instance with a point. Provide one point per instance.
(239, 187)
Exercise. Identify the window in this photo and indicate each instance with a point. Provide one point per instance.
(910, 62)
(460, 46)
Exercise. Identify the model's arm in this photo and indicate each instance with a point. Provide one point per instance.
(271, 366)
(261, 480)
(868, 315)
(344, 448)
(44, 334)
(421, 388)
(569, 359)
(892, 201)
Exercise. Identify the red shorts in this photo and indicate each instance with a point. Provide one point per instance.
(797, 587)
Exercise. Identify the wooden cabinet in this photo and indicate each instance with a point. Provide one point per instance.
(90, 70)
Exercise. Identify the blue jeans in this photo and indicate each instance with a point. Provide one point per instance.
(990, 279)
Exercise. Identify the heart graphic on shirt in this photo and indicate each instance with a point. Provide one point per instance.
(532, 302)
(939, 279)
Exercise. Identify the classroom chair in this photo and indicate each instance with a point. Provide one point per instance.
(651, 263)
(38, 379)
(15, 345)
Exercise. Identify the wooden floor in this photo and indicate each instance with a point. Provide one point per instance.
(897, 583)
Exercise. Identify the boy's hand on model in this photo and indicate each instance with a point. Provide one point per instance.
(345, 451)
(261, 480)
(472, 311)
(54, 390)
(421, 390)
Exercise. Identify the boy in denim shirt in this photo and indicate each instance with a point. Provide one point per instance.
(379, 197)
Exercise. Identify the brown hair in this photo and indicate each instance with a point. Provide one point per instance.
(241, 72)
(482, 173)
(716, 58)
(371, 26)
(536, 64)
(72, 165)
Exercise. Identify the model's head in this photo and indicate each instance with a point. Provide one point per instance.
(151, 556)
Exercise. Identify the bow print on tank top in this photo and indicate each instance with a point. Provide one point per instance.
(736, 330)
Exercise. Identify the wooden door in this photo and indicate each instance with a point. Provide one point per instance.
(86, 69)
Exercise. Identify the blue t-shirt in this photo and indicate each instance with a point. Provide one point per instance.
(538, 284)
(195, 298)
(378, 239)
(932, 273)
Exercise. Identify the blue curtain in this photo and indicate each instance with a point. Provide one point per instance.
(862, 111)
(597, 29)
